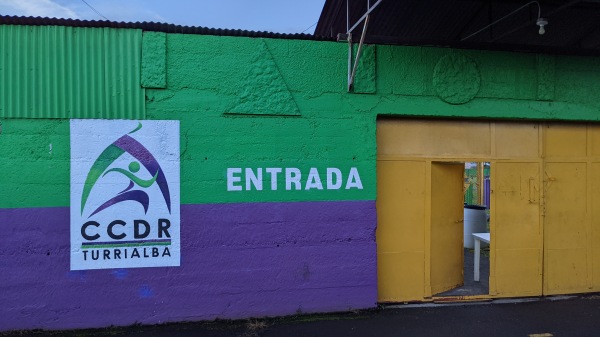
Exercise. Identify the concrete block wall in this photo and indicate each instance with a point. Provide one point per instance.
(253, 104)
(243, 105)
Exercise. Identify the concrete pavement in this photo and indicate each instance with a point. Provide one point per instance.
(539, 317)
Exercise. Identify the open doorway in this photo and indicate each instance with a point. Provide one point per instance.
(462, 266)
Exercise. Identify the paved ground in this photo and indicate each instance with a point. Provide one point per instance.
(572, 317)
(471, 287)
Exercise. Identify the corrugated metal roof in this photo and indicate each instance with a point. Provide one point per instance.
(573, 26)
(152, 26)
(70, 72)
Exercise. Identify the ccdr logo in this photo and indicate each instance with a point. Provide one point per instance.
(124, 194)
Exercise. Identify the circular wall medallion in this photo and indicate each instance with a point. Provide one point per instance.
(456, 79)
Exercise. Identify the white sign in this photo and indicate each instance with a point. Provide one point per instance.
(247, 179)
(124, 194)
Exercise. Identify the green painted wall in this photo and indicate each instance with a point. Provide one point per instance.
(311, 124)
(70, 72)
(250, 102)
(34, 161)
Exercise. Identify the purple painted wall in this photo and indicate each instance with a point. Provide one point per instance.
(238, 260)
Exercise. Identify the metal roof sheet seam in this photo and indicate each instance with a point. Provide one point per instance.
(153, 26)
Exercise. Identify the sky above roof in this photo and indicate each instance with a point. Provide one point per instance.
(279, 16)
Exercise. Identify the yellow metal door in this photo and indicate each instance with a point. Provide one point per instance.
(545, 214)
(568, 194)
(400, 230)
(516, 240)
(565, 229)
(446, 226)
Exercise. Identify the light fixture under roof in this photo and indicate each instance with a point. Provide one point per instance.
(541, 22)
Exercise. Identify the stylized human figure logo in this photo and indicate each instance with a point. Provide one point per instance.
(127, 144)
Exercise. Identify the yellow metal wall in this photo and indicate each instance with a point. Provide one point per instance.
(516, 245)
(572, 222)
(400, 231)
(545, 198)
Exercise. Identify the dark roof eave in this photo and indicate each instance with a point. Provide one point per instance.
(506, 47)
(171, 28)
